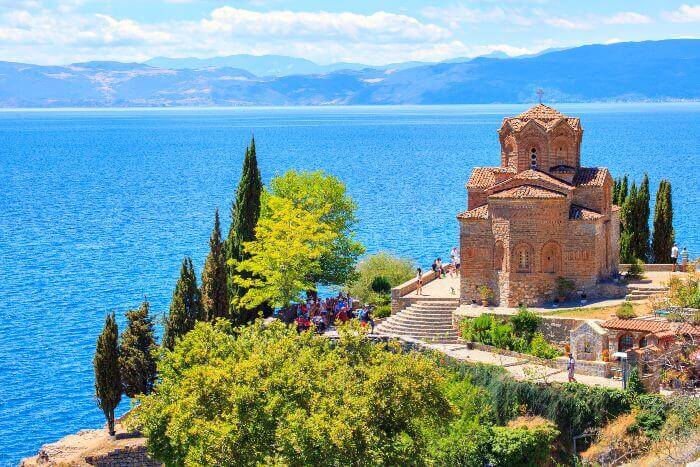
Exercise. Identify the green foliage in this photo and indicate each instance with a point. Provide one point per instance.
(283, 259)
(477, 329)
(564, 286)
(525, 323)
(522, 446)
(539, 347)
(268, 396)
(485, 292)
(636, 269)
(185, 306)
(650, 416)
(108, 386)
(664, 235)
(682, 419)
(137, 353)
(245, 212)
(319, 192)
(502, 335)
(396, 270)
(381, 285)
(215, 302)
(634, 218)
(685, 292)
(382, 311)
(634, 382)
(625, 311)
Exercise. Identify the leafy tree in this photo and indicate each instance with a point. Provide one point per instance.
(319, 192)
(185, 306)
(622, 192)
(396, 270)
(525, 323)
(285, 256)
(215, 301)
(245, 213)
(642, 220)
(268, 396)
(522, 446)
(627, 221)
(634, 382)
(664, 235)
(108, 387)
(381, 285)
(137, 359)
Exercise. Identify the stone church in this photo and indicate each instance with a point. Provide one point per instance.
(538, 215)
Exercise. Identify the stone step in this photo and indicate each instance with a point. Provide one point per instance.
(635, 298)
(649, 289)
(419, 312)
(418, 335)
(420, 319)
(416, 327)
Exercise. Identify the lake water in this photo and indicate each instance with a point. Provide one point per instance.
(98, 208)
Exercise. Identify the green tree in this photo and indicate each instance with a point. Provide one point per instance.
(396, 270)
(622, 192)
(268, 396)
(642, 220)
(185, 306)
(664, 235)
(634, 382)
(283, 259)
(245, 212)
(108, 386)
(627, 223)
(215, 301)
(137, 352)
(319, 192)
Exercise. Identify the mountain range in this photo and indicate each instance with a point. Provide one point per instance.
(665, 70)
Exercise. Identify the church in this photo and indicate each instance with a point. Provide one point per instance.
(537, 216)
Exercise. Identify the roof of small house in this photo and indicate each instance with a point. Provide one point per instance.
(527, 191)
(651, 325)
(577, 212)
(481, 212)
(485, 177)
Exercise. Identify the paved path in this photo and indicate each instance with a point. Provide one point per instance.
(519, 368)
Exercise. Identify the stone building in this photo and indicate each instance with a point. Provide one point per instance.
(538, 215)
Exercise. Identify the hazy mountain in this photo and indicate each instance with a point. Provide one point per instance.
(633, 71)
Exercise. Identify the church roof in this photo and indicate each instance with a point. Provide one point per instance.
(527, 191)
(485, 177)
(563, 169)
(481, 212)
(590, 176)
(579, 212)
(543, 114)
(652, 325)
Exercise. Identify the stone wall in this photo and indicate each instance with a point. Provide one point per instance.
(399, 301)
(557, 329)
(134, 456)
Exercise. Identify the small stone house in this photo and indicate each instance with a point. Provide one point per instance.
(637, 333)
(588, 340)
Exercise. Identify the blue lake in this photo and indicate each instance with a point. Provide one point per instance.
(98, 208)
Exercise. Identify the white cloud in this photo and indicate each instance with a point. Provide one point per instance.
(684, 14)
(627, 17)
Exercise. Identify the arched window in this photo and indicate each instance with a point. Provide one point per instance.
(498, 256)
(551, 258)
(533, 158)
(523, 259)
(625, 343)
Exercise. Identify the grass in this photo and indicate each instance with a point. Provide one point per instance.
(599, 312)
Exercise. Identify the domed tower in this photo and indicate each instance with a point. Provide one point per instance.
(541, 138)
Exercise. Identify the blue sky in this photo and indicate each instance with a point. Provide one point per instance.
(59, 32)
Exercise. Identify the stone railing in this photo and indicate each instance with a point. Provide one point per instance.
(406, 288)
(651, 267)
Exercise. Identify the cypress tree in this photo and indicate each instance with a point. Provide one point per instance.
(137, 360)
(185, 307)
(622, 193)
(245, 212)
(108, 387)
(642, 220)
(664, 235)
(214, 287)
(616, 189)
(627, 216)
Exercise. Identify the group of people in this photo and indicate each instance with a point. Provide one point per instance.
(674, 257)
(324, 313)
(441, 269)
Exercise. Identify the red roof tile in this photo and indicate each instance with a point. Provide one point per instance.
(541, 112)
(527, 191)
(590, 176)
(484, 177)
(482, 212)
(656, 326)
(544, 115)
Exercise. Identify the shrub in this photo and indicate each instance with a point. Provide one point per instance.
(381, 285)
(685, 292)
(502, 336)
(477, 329)
(382, 311)
(625, 311)
(650, 416)
(634, 383)
(564, 286)
(522, 446)
(396, 270)
(525, 323)
(485, 292)
(636, 269)
(539, 347)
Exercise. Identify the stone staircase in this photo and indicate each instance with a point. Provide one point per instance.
(425, 319)
(643, 290)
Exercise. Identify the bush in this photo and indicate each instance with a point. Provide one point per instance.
(685, 292)
(396, 270)
(634, 383)
(522, 446)
(564, 286)
(525, 323)
(382, 311)
(539, 347)
(625, 311)
(650, 416)
(502, 336)
(636, 269)
(477, 329)
(381, 285)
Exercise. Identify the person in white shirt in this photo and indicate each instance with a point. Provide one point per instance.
(454, 255)
(674, 256)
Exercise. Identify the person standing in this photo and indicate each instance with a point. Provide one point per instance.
(684, 260)
(571, 367)
(455, 261)
(674, 256)
(438, 268)
(419, 278)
